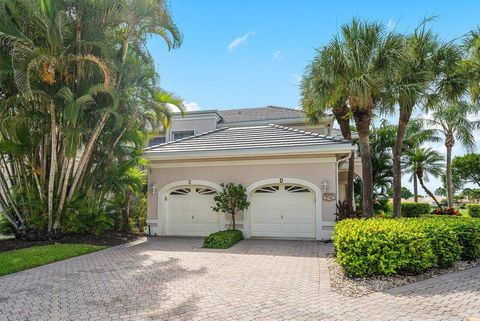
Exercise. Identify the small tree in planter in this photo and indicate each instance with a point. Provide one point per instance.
(231, 200)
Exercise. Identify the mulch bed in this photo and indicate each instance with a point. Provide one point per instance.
(356, 287)
(109, 238)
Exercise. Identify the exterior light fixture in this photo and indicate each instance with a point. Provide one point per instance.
(154, 188)
(325, 186)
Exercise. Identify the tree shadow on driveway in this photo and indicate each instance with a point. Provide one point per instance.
(112, 283)
(266, 247)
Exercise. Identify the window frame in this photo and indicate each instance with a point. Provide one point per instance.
(156, 137)
(182, 132)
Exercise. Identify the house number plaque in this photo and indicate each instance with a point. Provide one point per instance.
(328, 197)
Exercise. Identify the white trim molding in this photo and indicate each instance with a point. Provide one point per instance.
(337, 148)
(162, 203)
(319, 233)
(271, 161)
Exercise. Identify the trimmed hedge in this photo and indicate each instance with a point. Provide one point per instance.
(222, 239)
(409, 245)
(474, 210)
(410, 209)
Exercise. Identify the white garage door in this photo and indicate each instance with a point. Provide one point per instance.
(284, 210)
(189, 212)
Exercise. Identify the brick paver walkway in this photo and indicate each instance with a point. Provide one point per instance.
(175, 279)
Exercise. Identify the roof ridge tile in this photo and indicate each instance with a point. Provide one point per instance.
(283, 107)
(296, 130)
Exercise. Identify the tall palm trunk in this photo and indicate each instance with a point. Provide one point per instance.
(415, 188)
(363, 119)
(420, 179)
(449, 142)
(341, 115)
(53, 166)
(404, 118)
(63, 192)
(84, 160)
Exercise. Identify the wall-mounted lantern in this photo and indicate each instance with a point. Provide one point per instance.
(154, 188)
(325, 186)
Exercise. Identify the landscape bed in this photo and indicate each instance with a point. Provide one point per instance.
(369, 247)
(222, 239)
(378, 254)
(107, 238)
(342, 284)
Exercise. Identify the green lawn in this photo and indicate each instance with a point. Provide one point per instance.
(464, 212)
(18, 260)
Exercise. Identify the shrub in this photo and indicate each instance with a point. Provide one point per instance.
(137, 221)
(345, 211)
(381, 246)
(223, 239)
(414, 209)
(444, 241)
(391, 246)
(447, 211)
(474, 210)
(468, 232)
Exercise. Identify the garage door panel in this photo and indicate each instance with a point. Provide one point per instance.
(300, 215)
(202, 209)
(269, 229)
(283, 211)
(189, 212)
(204, 228)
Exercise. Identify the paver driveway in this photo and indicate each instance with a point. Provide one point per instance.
(173, 278)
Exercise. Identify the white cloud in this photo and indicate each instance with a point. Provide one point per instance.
(240, 40)
(297, 77)
(391, 25)
(191, 106)
(277, 55)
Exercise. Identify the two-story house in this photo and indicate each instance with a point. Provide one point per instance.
(197, 122)
(294, 173)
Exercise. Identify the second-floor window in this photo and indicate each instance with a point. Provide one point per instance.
(182, 134)
(156, 141)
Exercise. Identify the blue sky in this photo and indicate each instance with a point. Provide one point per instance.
(248, 53)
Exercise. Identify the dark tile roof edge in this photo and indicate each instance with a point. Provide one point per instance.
(186, 138)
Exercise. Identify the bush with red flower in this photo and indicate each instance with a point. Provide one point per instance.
(446, 211)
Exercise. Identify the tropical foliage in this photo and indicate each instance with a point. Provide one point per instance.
(466, 169)
(455, 122)
(422, 163)
(78, 100)
(352, 72)
(365, 71)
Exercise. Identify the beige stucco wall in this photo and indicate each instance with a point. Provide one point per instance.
(197, 124)
(247, 172)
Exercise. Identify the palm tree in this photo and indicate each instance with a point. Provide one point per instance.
(455, 121)
(78, 78)
(382, 138)
(428, 71)
(411, 85)
(422, 163)
(471, 64)
(316, 91)
(361, 58)
(416, 135)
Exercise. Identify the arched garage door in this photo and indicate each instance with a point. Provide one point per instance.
(189, 211)
(282, 210)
